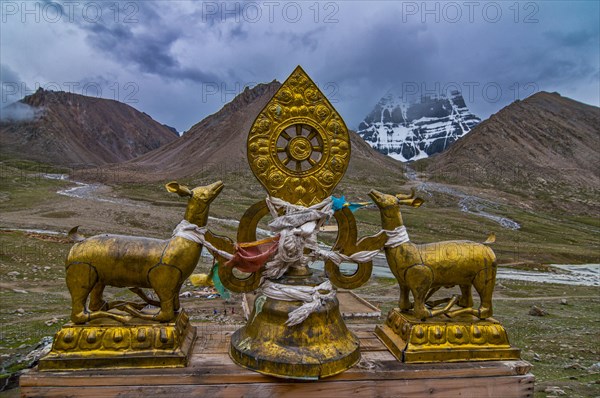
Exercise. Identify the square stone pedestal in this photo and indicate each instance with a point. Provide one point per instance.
(140, 344)
(443, 339)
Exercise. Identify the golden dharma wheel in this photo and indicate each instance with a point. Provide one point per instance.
(299, 149)
(298, 146)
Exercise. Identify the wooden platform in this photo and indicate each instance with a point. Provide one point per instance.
(212, 374)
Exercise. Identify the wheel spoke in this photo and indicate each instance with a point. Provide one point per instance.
(285, 161)
(312, 134)
(311, 161)
(298, 129)
(317, 148)
(280, 149)
(298, 165)
(285, 135)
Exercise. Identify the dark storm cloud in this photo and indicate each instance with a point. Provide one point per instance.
(306, 40)
(190, 58)
(555, 57)
(10, 85)
(238, 32)
(147, 43)
(10, 110)
(496, 63)
(385, 52)
(572, 39)
(564, 69)
(8, 75)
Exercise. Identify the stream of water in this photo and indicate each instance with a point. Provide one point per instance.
(467, 203)
(93, 191)
(582, 275)
(471, 204)
(572, 274)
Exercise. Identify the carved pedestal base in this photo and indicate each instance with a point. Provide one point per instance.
(136, 345)
(443, 339)
(321, 346)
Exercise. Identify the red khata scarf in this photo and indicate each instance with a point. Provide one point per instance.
(251, 256)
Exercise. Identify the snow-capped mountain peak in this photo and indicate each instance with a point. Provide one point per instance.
(412, 130)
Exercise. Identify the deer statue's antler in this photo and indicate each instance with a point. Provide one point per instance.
(409, 199)
(406, 196)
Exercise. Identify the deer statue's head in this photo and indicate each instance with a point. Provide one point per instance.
(389, 206)
(199, 200)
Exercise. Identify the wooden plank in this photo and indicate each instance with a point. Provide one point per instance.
(361, 327)
(363, 334)
(506, 387)
(200, 374)
(204, 329)
(205, 346)
(210, 356)
(211, 371)
(353, 306)
(372, 344)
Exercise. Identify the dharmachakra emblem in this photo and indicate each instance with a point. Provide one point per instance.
(298, 146)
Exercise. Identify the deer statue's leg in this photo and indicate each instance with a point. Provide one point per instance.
(80, 278)
(166, 312)
(435, 303)
(404, 303)
(167, 291)
(419, 306)
(447, 308)
(105, 314)
(165, 280)
(419, 277)
(120, 304)
(142, 294)
(96, 301)
(176, 304)
(486, 280)
(466, 298)
(484, 284)
(168, 295)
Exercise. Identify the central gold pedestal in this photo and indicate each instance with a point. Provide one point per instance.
(443, 339)
(321, 346)
(141, 344)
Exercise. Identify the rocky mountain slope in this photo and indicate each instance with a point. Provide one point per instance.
(545, 146)
(75, 130)
(415, 130)
(216, 146)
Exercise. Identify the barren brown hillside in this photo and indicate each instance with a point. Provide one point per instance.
(545, 147)
(75, 130)
(216, 145)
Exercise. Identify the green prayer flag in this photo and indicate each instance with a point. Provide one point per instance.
(217, 281)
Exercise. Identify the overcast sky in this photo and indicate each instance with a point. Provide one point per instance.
(181, 61)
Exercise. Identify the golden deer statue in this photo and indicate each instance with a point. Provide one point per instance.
(137, 262)
(423, 269)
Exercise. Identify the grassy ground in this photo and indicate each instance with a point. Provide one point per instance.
(34, 301)
(564, 342)
(32, 292)
(560, 345)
